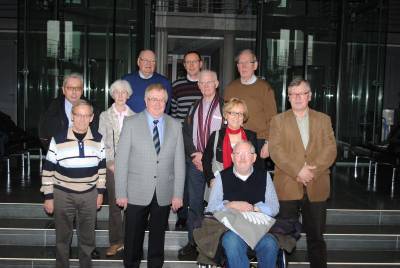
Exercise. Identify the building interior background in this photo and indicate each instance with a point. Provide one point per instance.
(348, 50)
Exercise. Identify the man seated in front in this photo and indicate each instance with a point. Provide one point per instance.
(245, 188)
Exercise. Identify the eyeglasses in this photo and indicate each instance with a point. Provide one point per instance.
(239, 114)
(82, 116)
(148, 61)
(246, 63)
(155, 100)
(245, 154)
(191, 62)
(74, 89)
(302, 94)
(206, 83)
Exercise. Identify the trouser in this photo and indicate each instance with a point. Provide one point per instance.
(313, 223)
(235, 249)
(115, 217)
(135, 225)
(183, 211)
(196, 185)
(67, 207)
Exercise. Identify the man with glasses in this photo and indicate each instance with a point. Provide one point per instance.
(245, 188)
(204, 117)
(185, 92)
(58, 116)
(258, 95)
(145, 76)
(303, 147)
(149, 176)
(73, 183)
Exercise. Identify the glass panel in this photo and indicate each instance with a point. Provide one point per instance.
(82, 41)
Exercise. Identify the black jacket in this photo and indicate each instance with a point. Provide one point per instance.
(55, 121)
(187, 130)
(208, 154)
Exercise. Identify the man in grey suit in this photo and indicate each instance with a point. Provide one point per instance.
(149, 176)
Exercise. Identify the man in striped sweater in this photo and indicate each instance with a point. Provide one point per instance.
(185, 92)
(73, 182)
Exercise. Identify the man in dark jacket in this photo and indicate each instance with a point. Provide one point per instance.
(58, 116)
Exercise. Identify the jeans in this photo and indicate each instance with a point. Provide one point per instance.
(236, 251)
(196, 185)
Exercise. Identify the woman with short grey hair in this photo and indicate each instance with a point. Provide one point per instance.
(110, 126)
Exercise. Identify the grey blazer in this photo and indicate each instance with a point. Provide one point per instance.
(139, 171)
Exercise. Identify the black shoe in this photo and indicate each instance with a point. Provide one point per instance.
(188, 252)
(180, 225)
(95, 254)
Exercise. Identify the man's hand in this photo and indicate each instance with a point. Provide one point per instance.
(264, 151)
(196, 160)
(176, 203)
(240, 205)
(99, 200)
(122, 202)
(306, 174)
(49, 206)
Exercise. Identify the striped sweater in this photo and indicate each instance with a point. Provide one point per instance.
(184, 94)
(74, 166)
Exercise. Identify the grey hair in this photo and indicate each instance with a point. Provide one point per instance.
(246, 51)
(297, 82)
(82, 102)
(72, 75)
(252, 148)
(157, 87)
(120, 84)
(212, 73)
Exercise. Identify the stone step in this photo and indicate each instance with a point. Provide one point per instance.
(337, 238)
(335, 216)
(17, 256)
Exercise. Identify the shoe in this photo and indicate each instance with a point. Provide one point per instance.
(114, 249)
(95, 254)
(188, 251)
(180, 225)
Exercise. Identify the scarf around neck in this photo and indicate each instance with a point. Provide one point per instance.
(227, 148)
(203, 130)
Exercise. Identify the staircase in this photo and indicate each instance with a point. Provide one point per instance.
(355, 238)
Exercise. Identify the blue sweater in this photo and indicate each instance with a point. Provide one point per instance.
(139, 85)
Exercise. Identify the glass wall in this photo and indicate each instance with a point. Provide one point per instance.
(339, 46)
(94, 38)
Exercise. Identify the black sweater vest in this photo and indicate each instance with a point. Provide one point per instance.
(252, 190)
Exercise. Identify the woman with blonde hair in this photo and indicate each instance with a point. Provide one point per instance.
(217, 155)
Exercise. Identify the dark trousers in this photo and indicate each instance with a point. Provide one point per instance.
(183, 211)
(115, 218)
(67, 206)
(135, 225)
(313, 222)
(196, 186)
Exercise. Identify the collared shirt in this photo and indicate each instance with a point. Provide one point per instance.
(242, 177)
(160, 125)
(250, 81)
(143, 76)
(68, 111)
(120, 115)
(303, 125)
(191, 80)
(216, 203)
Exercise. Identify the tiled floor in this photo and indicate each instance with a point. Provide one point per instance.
(347, 192)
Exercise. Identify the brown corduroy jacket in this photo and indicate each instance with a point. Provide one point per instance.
(288, 153)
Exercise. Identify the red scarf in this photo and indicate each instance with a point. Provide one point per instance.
(227, 148)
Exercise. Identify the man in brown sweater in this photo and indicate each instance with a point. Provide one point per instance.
(258, 95)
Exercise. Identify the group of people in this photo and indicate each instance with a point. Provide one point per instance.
(159, 146)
